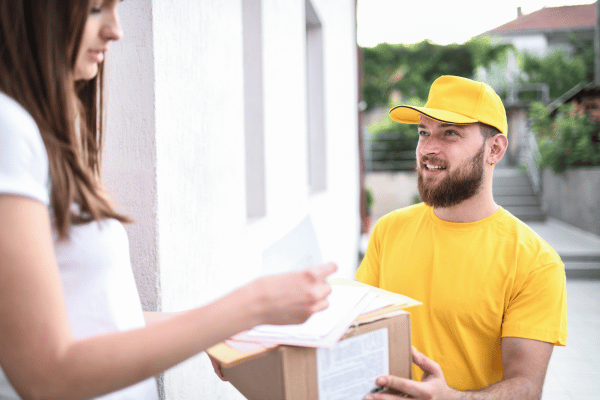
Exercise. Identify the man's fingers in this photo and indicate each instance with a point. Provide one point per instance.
(415, 351)
(424, 362)
(404, 386)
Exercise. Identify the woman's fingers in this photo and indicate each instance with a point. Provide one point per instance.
(217, 368)
(321, 272)
(293, 297)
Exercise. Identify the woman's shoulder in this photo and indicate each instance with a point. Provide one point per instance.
(14, 118)
(23, 157)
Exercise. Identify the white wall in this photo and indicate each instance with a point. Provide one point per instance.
(129, 159)
(175, 151)
(537, 44)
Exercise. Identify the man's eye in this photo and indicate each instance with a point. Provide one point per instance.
(95, 10)
(423, 133)
(451, 133)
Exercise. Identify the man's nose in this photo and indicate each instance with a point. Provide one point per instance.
(431, 145)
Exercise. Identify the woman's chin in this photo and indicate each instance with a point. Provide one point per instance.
(87, 73)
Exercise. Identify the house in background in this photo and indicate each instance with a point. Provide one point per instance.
(548, 29)
(539, 33)
(227, 123)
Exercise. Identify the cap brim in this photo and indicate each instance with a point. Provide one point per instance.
(411, 115)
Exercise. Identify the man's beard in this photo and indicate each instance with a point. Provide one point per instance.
(456, 187)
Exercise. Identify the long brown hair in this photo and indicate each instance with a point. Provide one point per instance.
(39, 42)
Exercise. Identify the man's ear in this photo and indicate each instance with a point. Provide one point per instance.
(498, 145)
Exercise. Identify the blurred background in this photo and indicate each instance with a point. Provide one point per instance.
(543, 59)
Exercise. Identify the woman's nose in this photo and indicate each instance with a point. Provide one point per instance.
(112, 28)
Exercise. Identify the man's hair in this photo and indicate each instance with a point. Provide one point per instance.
(488, 131)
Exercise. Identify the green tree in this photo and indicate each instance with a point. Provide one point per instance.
(485, 52)
(584, 49)
(411, 69)
(568, 140)
(558, 69)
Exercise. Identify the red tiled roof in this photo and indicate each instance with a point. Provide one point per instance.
(552, 18)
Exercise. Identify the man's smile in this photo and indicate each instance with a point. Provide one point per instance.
(432, 167)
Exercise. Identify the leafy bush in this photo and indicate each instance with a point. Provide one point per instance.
(558, 69)
(570, 139)
(369, 200)
(411, 69)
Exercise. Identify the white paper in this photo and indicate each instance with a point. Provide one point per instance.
(341, 302)
(296, 250)
(377, 304)
(322, 329)
(349, 370)
(394, 298)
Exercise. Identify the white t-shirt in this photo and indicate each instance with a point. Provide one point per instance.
(97, 280)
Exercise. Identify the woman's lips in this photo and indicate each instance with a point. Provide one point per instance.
(97, 55)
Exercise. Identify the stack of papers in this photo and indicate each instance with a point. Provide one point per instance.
(322, 329)
(384, 297)
(350, 302)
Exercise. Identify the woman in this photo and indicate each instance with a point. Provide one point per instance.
(71, 323)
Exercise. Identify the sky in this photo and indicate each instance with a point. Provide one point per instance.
(441, 21)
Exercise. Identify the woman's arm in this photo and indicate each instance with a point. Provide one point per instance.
(42, 359)
(152, 317)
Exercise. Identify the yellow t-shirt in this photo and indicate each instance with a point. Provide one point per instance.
(477, 281)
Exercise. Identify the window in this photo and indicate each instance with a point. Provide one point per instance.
(317, 177)
(253, 108)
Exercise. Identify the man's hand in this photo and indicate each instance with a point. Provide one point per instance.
(524, 362)
(432, 386)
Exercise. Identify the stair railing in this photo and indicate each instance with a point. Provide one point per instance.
(529, 154)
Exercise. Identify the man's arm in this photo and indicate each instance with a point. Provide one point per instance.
(525, 362)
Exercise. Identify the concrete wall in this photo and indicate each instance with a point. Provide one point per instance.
(517, 126)
(175, 151)
(573, 197)
(391, 190)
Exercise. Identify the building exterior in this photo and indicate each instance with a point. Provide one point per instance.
(228, 122)
(549, 28)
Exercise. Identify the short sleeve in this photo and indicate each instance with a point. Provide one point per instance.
(23, 157)
(539, 309)
(369, 269)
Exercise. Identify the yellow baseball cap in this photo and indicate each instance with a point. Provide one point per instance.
(457, 100)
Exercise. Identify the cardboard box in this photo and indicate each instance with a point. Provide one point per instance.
(292, 373)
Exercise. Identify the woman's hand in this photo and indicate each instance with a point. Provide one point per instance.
(292, 297)
(217, 368)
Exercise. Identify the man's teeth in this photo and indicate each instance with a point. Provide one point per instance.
(433, 167)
